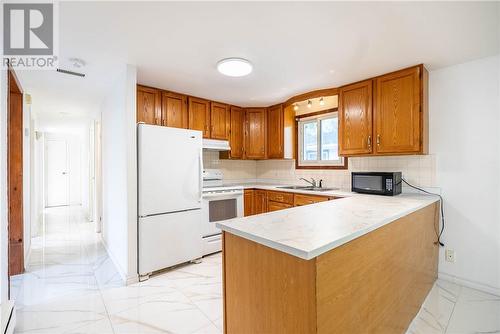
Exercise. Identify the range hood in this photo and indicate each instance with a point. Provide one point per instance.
(216, 145)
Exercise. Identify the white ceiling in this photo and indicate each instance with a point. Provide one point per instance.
(295, 47)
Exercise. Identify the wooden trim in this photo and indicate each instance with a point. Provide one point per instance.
(14, 84)
(317, 113)
(296, 156)
(311, 95)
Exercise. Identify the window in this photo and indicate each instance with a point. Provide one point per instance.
(318, 142)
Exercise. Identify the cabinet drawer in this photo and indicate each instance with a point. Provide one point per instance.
(281, 197)
(308, 199)
(275, 206)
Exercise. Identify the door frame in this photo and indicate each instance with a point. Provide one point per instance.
(15, 179)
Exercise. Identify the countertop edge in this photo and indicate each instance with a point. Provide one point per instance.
(309, 255)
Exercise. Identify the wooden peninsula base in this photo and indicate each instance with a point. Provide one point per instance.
(373, 284)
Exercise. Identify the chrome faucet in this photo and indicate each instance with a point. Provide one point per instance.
(312, 182)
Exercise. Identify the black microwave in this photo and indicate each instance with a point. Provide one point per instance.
(379, 183)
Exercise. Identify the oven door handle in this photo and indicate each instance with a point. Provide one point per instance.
(226, 195)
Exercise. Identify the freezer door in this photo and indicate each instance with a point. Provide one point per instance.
(169, 239)
(170, 169)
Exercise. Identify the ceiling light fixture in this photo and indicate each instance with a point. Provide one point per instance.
(321, 102)
(309, 104)
(234, 67)
(295, 107)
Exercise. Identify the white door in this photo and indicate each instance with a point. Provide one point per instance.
(170, 169)
(57, 178)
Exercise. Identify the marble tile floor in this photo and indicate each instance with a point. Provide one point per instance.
(71, 286)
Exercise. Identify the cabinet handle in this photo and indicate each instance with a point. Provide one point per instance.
(369, 141)
(378, 139)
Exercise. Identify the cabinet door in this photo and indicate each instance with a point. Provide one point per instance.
(300, 199)
(199, 115)
(174, 110)
(355, 119)
(248, 199)
(275, 132)
(236, 132)
(219, 119)
(255, 136)
(260, 201)
(397, 112)
(148, 105)
(275, 206)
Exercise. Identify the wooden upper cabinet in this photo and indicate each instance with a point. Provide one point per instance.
(355, 119)
(174, 110)
(148, 105)
(236, 132)
(275, 131)
(255, 133)
(398, 119)
(199, 115)
(219, 119)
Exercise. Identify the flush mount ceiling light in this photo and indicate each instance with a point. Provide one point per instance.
(234, 67)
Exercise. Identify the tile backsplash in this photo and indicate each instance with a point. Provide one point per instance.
(418, 169)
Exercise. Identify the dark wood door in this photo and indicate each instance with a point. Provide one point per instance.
(275, 130)
(15, 177)
(397, 112)
(260, 202)
(236, 132)
(219, 120)
(148, 105)
(355, 119)
(174, 110)
(248, 199)
(255, 133)
(199, 115)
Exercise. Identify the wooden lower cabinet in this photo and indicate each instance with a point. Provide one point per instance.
(258, 201)
(300, 199)
(248, 197)
(275, 206)
(373, 284)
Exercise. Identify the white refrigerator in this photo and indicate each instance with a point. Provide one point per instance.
(170, 176)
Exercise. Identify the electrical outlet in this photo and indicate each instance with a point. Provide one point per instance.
(450, 255)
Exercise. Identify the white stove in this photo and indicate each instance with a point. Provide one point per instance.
(219, 203)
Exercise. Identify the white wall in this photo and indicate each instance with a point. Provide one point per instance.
(26, 180)
(464, 136)
(119, 175)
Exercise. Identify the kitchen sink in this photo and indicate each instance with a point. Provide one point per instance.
(308, 188)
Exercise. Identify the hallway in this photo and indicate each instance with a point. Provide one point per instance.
(71, 286)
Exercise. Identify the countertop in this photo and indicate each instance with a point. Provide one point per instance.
(311, 230)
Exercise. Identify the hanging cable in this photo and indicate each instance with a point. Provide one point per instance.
(441, 204)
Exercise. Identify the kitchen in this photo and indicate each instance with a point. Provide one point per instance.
(318, 168)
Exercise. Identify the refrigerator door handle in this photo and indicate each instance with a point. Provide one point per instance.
(200, 184)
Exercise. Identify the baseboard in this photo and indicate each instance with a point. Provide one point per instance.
(127, 279)
(470, 284)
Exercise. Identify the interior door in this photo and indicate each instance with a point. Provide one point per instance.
(57, 178)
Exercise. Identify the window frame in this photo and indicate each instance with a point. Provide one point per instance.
(317, 117)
